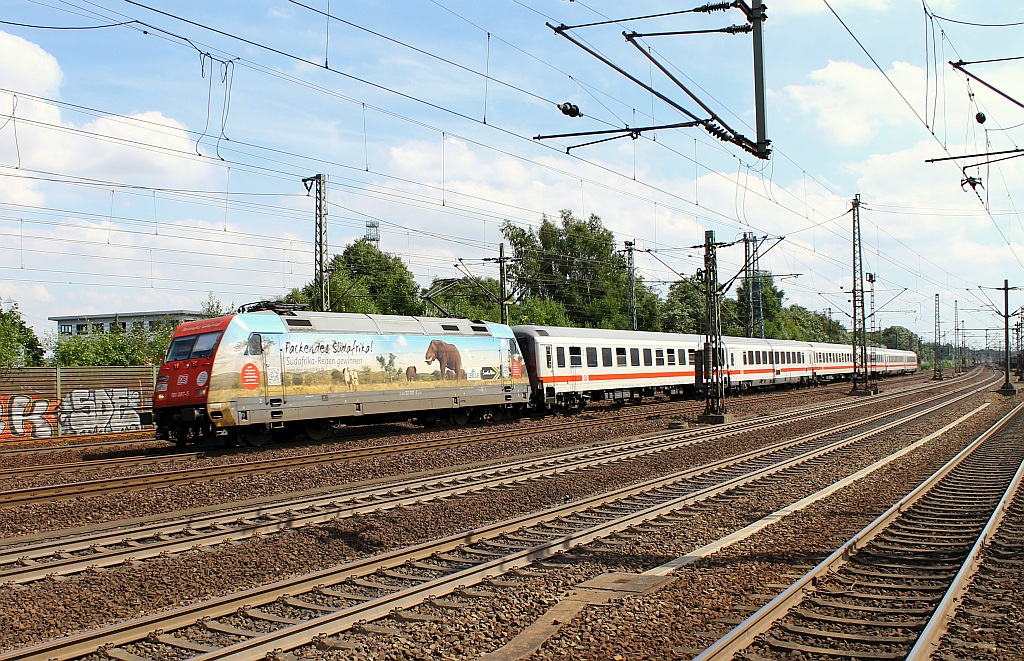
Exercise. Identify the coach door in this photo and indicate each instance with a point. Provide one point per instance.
(575, 369)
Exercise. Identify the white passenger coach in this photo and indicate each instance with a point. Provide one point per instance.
(570, 366)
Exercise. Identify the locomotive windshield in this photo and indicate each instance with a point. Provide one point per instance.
(192, 346)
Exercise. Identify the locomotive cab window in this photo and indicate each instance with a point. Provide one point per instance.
(180, 349)
(192, 346)
(205, 344)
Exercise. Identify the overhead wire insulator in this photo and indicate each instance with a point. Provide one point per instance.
(718, 131)
(715, 6)
(570, 110)
(738, 29)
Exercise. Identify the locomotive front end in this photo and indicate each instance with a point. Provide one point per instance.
(183, 383)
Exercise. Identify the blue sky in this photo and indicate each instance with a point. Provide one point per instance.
(146, 164)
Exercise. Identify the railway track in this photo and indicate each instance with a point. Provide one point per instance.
(314, 608)
(51, 556)
(889, 592)
(169, 453)
(85, 488)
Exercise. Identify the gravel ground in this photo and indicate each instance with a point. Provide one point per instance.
(708, 598)
(34, 518)
(51, 608)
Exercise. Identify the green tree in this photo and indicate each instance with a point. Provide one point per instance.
(799, 323)
(135, 346)
(539, 312)
(212, 307)
(472, 298)
(898, 337)
(19, 346)
(683, 310)
(576, 263)
(364, 279)
(760, 293)
(388, 282)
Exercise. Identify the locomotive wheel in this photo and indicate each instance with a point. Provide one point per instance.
(316, 430)
(255, 435)
(460, 417)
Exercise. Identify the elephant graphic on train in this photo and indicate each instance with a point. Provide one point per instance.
(448, 358)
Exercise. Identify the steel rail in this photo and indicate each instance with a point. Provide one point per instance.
(308, 631)
(762, 620)
(90, 532)
(931, 636)
(298, 634)
(239, 524)
(69, 490)
(97, 464)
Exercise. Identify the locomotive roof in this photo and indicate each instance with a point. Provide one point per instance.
(383, 324)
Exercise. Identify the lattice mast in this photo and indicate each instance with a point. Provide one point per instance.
(321, 277)
(860, 340)
(937, 373)
(714, 350)
(631, 271)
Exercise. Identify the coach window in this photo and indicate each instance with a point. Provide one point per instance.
(606, 356)
(634, 357)
(592, 357)
(547, 355)
(620, 356)
(648, 357)
(691, 356)
(659, 357)
(560, 356)
(671, 355)
(682, 357)
(575, 357)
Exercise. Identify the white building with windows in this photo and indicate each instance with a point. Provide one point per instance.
(104, 323)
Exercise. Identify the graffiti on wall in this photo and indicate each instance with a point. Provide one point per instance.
(27, 417)
(82, 411)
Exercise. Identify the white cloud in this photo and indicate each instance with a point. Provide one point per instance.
(27, 68)
(851, 104)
